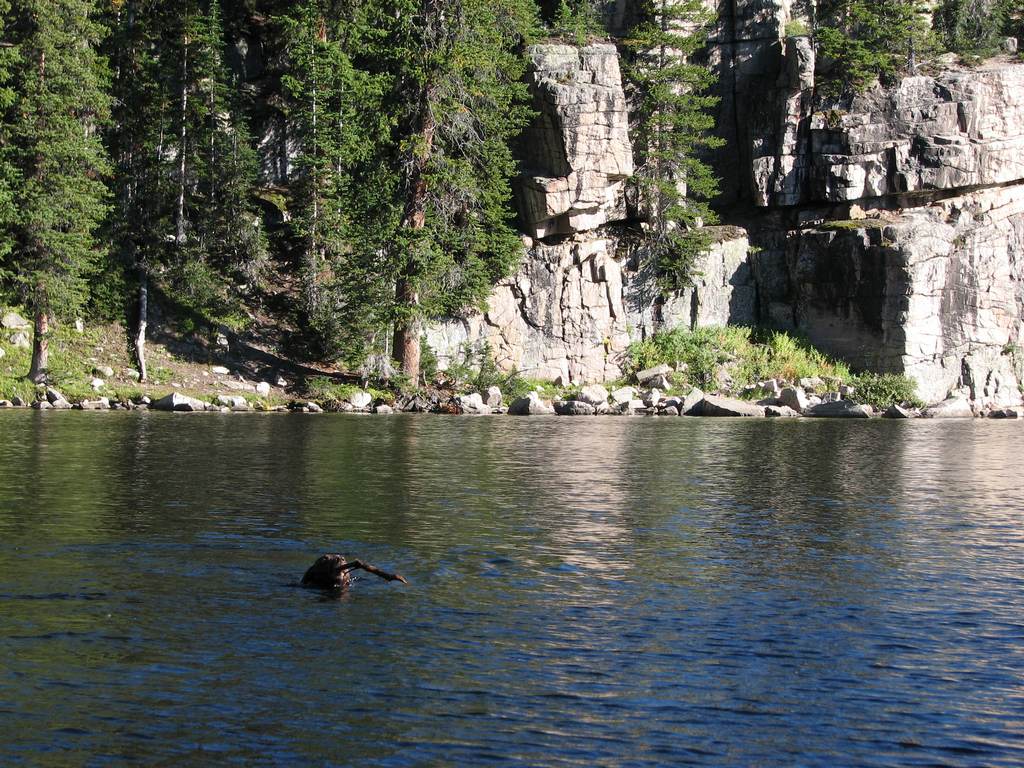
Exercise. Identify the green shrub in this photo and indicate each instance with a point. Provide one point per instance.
(881, 390)
(327, 391)
(748, 354)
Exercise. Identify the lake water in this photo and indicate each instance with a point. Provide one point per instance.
(604, 591)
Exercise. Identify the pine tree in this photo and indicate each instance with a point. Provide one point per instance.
(339, 204)
(459, 95)
(860, 41)
(186, 169)
(672, 126)
(60, 103)
(8, 173)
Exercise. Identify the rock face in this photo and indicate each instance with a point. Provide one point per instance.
(889, 230)
(576, 154)
(574, 307)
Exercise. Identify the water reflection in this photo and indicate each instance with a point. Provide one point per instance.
(589, 591)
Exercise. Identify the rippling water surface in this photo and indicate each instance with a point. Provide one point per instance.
(583, 591)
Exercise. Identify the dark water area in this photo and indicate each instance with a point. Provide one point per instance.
(615, 592)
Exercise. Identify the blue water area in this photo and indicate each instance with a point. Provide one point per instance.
(590, 591)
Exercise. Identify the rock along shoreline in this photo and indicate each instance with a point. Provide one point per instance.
(774, 399)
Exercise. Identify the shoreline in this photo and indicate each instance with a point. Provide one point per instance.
(695, 404)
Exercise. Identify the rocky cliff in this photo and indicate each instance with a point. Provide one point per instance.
(889, 230)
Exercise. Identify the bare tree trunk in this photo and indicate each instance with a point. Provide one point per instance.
(40, 348)
(143, 321)
(179, 215)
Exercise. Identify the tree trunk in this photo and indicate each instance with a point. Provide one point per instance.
(179, 214)
(40, 348)
(407, 330)
(143, 319)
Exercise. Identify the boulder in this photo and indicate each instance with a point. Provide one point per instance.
(263, 388)
(312, 407)
(623, 395)
(53, 396)
(103, 371)
(232, 401)
(838, 409)
(780, 411)
(179, 402)
(574, 408)
(897, 412)
(6, 404)
(383, 409)
(97, 384)
(13, 321)
(492, 397)
(594, 394)
(630, 408)
(360, 399)
(18, 402)
(795, 398)
(220, 370)
(1004, 413)
(668, 410)
(530, 405)
(952, 408)
(812, 384)
(21, 340)
(687, 405)
(472, 403)
(41, 405)
(713, 405)
(652, 373)
(652, 398)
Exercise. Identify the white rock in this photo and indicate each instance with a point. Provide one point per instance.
(79, 325)
(650, 373)
(232, 401)
(220, 370)
(953, 408)
(176, 401)
(21, 340)
(623, 395)
(652, 398)
(493, 397)
(532, 405)
(360, 399)
(690, 402)
(383, 409)
(97, 384)
(13, 321)
(795, 398)
(263, 389)
(594, 394)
